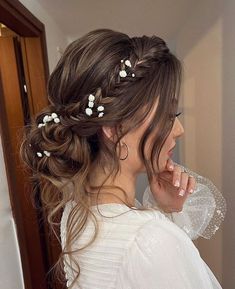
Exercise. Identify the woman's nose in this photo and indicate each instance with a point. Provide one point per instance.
(179, 130)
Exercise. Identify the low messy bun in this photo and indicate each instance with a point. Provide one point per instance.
(66, 148)
(69, 148)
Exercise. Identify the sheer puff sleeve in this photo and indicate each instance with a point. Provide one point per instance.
(162, 256)
(203, 211)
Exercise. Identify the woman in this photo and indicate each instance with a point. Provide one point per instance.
(113, 115)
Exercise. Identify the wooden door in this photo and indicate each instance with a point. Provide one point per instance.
(12, 121)
(39, 249)
(23, 94)
(36, 98)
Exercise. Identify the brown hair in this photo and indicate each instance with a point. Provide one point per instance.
(90, 65)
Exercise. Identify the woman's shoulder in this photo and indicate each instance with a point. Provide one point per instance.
(166, 255)
(161, 229)
(134, 221)
(115, 212)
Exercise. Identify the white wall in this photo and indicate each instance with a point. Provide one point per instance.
(228, 141)
(54, 35)
(206, 45)
(202, 97)
(10, 265)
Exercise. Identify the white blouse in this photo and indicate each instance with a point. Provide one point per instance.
(147, 249)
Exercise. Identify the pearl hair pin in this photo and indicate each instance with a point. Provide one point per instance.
(123, 72)
(89, 110)
(47, 118)
(46, 153)
(40, 155)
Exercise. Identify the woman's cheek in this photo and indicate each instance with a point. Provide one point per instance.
(163, 160)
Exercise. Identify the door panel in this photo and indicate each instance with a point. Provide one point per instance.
(12, 121)
(34, 73)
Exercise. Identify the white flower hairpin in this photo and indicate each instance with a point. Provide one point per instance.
(47, 118)
(46, 153)
(91, 97)
(89, 110)
(123, 72)
(50, 117)
(39, 154)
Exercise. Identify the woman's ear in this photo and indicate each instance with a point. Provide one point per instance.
(111, 132)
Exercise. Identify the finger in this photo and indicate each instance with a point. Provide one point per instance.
(183, 184)
(191, 184)
(177, 176)
(170, 164)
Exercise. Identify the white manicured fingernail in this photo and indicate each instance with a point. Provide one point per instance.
(191, 191)
(177, 184)
(181, 193)
(171, 167)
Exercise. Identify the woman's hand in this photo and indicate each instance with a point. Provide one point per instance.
(171, 187)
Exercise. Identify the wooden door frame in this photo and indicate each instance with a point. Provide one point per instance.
(15, 16)
(19, 19)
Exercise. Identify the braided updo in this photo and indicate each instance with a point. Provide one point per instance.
(60, 154)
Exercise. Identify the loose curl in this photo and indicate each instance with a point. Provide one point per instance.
(91, 65)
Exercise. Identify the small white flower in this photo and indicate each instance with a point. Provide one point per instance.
(88, 111)
(128, 63)
(45, 119)
(100, 108)
(122, 61)
(47, 153)
(100, 114)
(39, 154)
(56, 120)
(133, 75)
(48, 118)
(122, 73)
(91, 97)
(54, 115)
(91, 104)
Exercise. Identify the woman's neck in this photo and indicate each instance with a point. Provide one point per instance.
(125, 181)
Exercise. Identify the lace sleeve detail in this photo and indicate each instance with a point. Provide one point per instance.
(203, 211)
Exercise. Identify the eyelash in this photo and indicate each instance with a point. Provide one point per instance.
(176, 115)
(179, 113)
